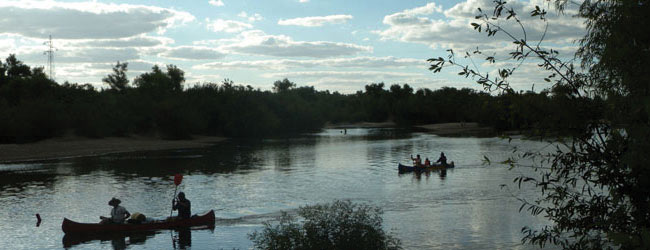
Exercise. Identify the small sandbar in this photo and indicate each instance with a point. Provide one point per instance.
(387, 124)
(458, 129)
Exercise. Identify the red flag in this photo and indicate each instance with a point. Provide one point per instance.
(178, 178)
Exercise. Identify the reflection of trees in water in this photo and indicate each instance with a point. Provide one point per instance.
(291, 154)
(15, 183)
(224, 157)
(118, 240)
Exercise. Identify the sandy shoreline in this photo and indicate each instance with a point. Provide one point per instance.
(458, 129)
(64, 147)
(79, 146)
(442, 129)
(387, 124)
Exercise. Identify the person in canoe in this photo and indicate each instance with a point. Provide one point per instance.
(417, 161)
(183, 206)
(443, 159)
(118, 213)
(427, 163)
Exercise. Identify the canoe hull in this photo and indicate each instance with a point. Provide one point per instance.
(405, 168)
(72, 227)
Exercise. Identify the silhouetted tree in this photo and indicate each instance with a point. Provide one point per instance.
(118, 80)
(159, 83)
(594, 186)
(177, 77)
(282, 86)
(16, 68)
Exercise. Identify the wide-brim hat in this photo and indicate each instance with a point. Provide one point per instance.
(114, 201)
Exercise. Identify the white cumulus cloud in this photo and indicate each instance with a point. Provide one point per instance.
(250, 17)
(216, 2)
(316, 21)
(192, 53)
(86, 20)
(418, 25)
(256, 42)
(228, 26)
(283, 64)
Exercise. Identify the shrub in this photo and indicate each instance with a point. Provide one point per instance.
(339, 225)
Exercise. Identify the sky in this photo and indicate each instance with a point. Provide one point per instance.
(336, 45)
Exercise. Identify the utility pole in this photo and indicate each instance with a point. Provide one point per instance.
(50, 57)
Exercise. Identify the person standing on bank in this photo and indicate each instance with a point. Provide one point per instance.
(183, 206)
(118, 213)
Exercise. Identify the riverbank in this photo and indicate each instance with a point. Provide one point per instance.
(458, 129)
(441, 129)
(73, 146)
(387, 124)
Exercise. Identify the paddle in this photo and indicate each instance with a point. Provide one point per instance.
(178, 178)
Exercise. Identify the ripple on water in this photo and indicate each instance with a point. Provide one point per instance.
(247, 183)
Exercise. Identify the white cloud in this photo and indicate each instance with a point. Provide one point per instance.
(7, 45)
(191, 79)
(216, 3)
(137, 41)
(134, 66)
(349, 74)
(256, 42)
(79, 55)
(251, 18)
(316, 21)
(283, 64)
(192, 53)
(303, 1)
(418, 26)
(228, 26)
(85, 20)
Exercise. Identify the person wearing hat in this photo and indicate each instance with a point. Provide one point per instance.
(183, 206)
(118, 213)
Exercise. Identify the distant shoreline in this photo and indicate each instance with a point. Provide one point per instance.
(441, 129)
(72, 146)
(387, 124)
(458, 129)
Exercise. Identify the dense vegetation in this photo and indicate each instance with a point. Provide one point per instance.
(33, 107)
(594, 186)
(339, 225)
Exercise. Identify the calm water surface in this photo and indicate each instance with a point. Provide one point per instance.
(249, 182)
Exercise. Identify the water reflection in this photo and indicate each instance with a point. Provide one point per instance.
(417, 175)
(247, 182)
(183, 239)
(118, 241)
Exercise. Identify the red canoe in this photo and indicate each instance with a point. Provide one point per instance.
(434, 166)
(69, 226)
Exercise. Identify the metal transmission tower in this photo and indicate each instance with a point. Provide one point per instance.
(50, 57)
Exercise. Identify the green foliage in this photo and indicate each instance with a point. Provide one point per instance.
(339, 225)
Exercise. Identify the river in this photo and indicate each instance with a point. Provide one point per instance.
(248, 182)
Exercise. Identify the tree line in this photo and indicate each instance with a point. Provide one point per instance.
(34, 107)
